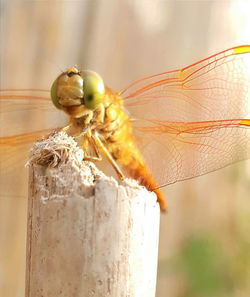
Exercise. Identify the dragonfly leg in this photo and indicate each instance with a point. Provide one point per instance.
(107, 154)
(88, 140)
(98, 156)
(66, 128)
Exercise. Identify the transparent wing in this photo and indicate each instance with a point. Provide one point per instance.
(20, 100)
(27, 110)
(25, 116)
(193, 120)
(176, 151)
(14, 148)
(14, 152)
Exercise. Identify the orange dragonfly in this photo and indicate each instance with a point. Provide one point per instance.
(178, 124)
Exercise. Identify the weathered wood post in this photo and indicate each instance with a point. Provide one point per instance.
(87, 235)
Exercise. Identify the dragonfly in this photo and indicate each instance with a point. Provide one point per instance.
(161, 129)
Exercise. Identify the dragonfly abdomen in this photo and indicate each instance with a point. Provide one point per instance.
(127, 155)
(117, 135)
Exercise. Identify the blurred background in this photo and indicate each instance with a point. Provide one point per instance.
(204, 241)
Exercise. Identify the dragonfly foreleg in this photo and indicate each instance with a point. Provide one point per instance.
(107, 154)
(86, 142)
(91, 141)
(66, 128)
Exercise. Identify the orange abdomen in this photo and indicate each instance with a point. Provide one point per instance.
(141, 174)
(120, 142)
(129, 157)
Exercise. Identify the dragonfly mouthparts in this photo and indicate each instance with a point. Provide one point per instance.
(70, 74)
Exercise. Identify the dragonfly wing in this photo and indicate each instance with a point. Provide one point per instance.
(177, 151)
(24, 110)
(196, 119)
(212, 89)
(14, 100)
(22, 113)
(14, 151)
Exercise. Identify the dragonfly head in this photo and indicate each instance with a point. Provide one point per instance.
(75, 91)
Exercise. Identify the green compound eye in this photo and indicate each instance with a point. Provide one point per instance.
(53, 94)
(93, 90)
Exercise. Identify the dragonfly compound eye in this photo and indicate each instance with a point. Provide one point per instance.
(53, 94)
(93, 90)
(67, 90)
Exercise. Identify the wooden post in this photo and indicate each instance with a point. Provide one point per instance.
(87, 234)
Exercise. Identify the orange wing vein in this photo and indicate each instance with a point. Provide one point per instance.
(193, 120)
